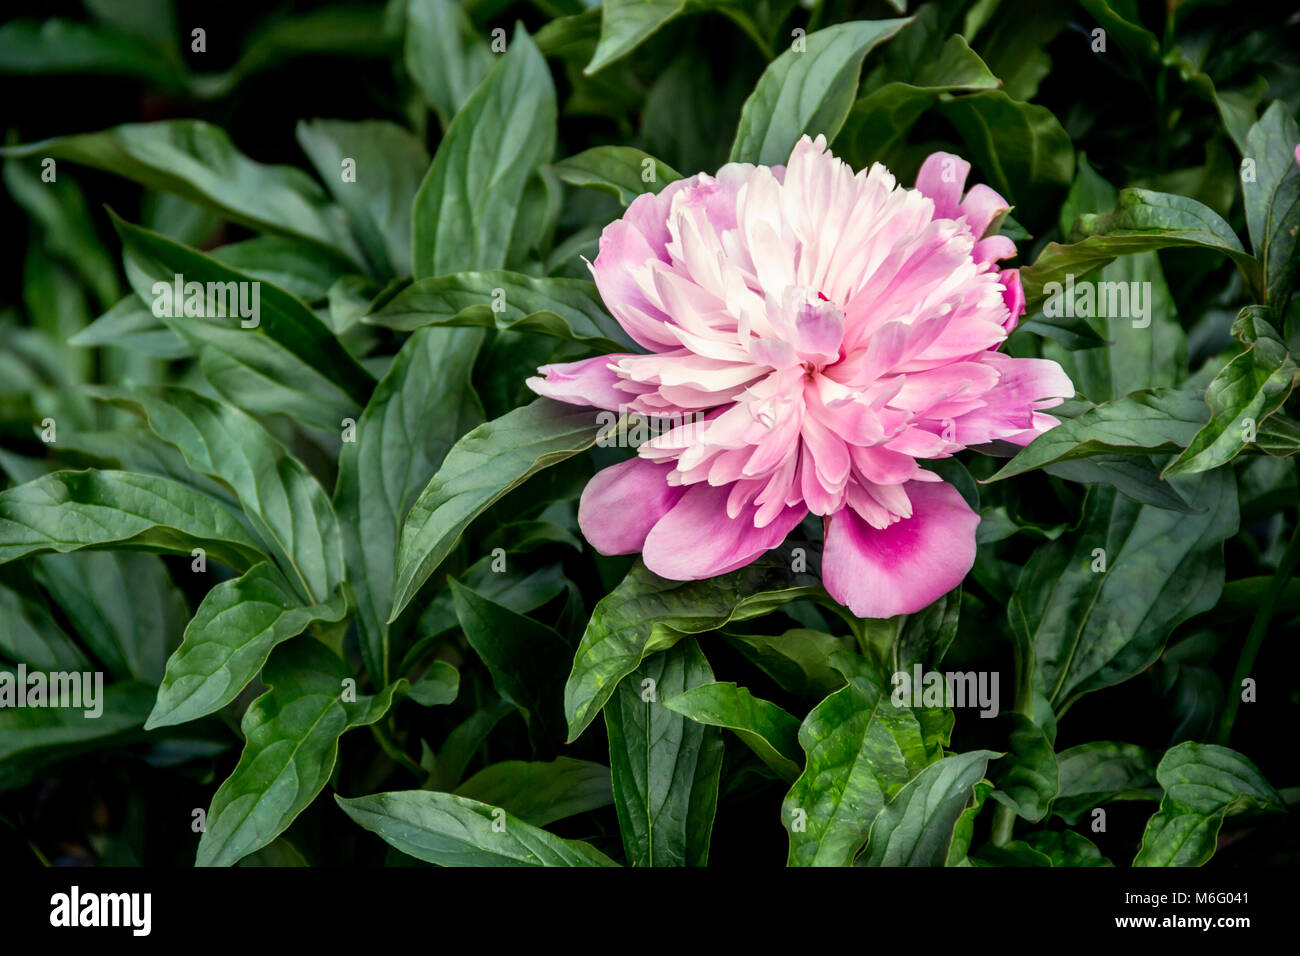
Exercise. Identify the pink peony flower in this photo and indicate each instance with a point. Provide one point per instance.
(827, 329)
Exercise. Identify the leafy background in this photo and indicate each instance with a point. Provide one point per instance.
(522, 690)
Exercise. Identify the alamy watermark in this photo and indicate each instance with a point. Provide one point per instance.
(922, 688)
(178, 299)
(130, 910)
(628, 429)
(54, 689)
(1109, 300)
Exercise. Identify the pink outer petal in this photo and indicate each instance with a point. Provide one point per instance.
(992, 249)
(902, 568)
(1013, 295)
(588, 382)
(621, 504)
(941, 178)
(697, 540)
(981, 206)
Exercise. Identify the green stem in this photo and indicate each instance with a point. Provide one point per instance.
(1258, 628)
(395, 752)
(1004, 825)
(1004, 818)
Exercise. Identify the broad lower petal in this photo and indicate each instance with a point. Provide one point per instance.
(900, 569)
(621, 504)
(697, 539)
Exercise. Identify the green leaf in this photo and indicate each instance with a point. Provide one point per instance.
(481, 467)
(761, 725)
(1134, 477)
(347, 30)
(449, 830)
(1129, 306)
(1026, 778)
(56, 46)
(1066, 848)
(119, 511)
(30, 635)
(895, 644)
(231, 636)
(1150, 421)
(465, 209)
(626, 24)
(797, 660)
(515, 590)
(1203, 783)
(420, 407)
(665, 768)
(1244, 393)
(305, 271)
(448, 767)
(1142, 221)
(123, 606)
(33, 737)
(916, 827)
(963, 832)
(444, 56)
(1272, 200)
(283, 501)
(1097, 773)
(525, 658)
(387, 165)
(647, 613)
(292, 734)
(539, 793)
(1093, 628)
(59, 209)
(808, 91)
(861, 749)
(1014, 43)
(1021, 147)
(568, 309)
(131, 325)
(285, 327)
(1045, 848)
(879, 121)
(619, 171)
(1278, 436)
(197, 161)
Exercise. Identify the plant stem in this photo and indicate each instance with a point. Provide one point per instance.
(1258, 628)
(395, 752)
(1004, 818)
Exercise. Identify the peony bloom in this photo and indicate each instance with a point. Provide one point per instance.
(820, 331)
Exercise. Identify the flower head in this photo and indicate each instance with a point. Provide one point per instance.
(821, 332)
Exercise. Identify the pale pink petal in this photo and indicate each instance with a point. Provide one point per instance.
(697, 539)
(621, 504)
(941, 178)
(1025, 386)
(881, 572)
(981, 206)
(994, 248)
(591, 381)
